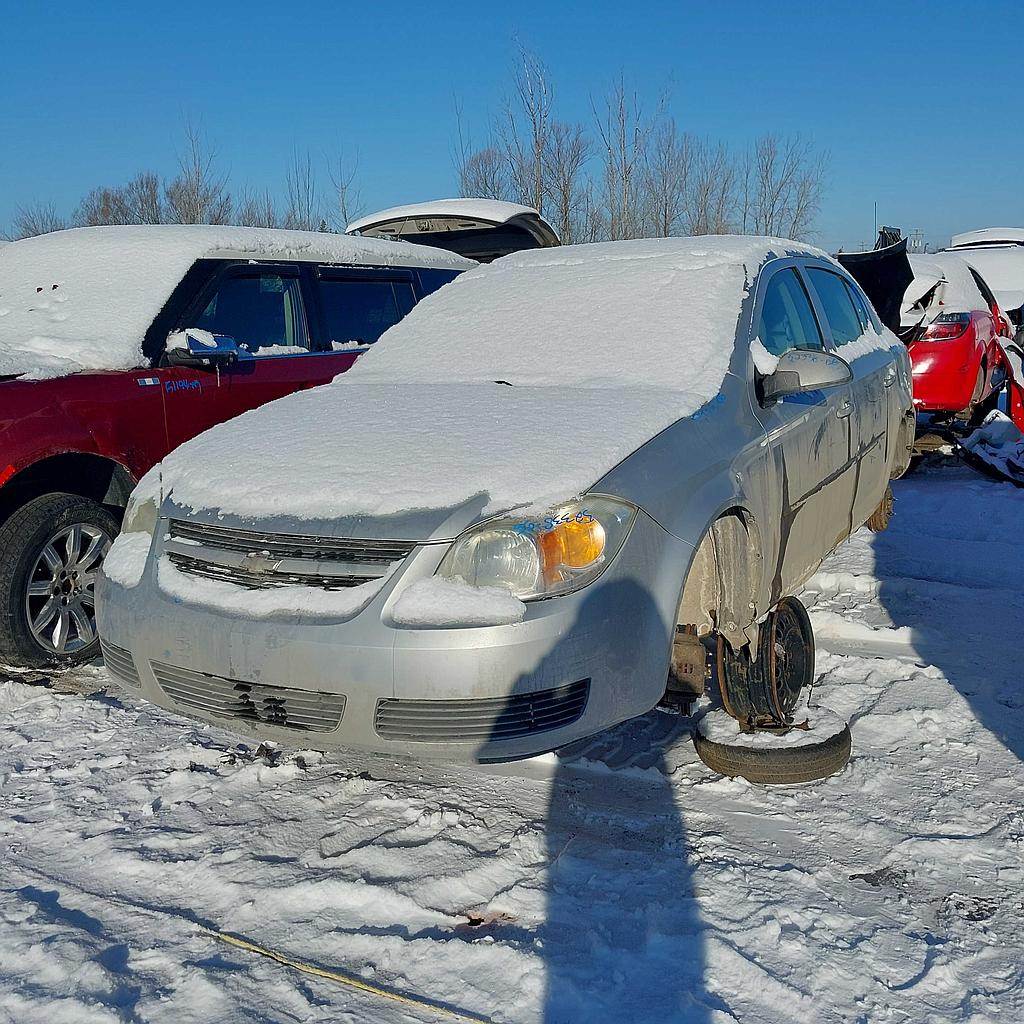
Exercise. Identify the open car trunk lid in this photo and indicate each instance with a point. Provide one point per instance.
(480, 229)
(884, 273)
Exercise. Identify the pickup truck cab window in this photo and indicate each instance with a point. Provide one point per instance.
(263, 312)
(358, 311)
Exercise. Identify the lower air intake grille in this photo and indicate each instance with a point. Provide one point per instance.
(487, 718)
(120, 664)
(282, 706)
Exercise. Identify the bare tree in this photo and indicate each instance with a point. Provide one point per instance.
(564, 160)
(484, 174)
(711, 198)
(525, 131)
(667, 179)
(256, 210)
(783, 181)
(305, 210)
(623, 134)
(37, 219)
(138, 202)
(348, 196)
(197, 195)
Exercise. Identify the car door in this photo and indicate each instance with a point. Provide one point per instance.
(874, 373)
(265, 308)
(808, 435)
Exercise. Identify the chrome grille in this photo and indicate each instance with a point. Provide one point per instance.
(281, 706)
(243, 577)
(486, 718)
(250, 558)
(120, 664)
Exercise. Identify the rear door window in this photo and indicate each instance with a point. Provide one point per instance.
(867, 321)
(357, 312)
(263, 312)
(838, 305)
(787, 318)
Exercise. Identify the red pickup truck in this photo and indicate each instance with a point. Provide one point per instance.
(117, 344)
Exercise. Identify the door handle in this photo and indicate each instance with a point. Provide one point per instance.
(844, 410)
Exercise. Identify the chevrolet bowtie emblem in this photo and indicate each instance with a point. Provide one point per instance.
(257, 562)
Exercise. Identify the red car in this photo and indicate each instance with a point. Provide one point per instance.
(118, 344)
(952, 326)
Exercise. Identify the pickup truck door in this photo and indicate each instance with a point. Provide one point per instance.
(808, 437)
(266, 309)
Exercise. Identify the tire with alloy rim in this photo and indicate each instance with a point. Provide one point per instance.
(50, 552)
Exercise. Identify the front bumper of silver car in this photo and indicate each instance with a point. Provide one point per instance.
(575, 665)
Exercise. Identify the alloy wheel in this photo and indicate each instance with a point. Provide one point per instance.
(60, 598)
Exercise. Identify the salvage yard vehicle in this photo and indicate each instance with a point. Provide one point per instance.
(119, 343)
(522, 513)
(998, 254)
(482, 229)
(952, 326)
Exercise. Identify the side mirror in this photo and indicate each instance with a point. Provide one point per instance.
(195, 347)
(802, 369)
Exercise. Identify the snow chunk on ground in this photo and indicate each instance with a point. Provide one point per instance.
(443, 602)
(822, 724)
(126, 560)
(83, 299)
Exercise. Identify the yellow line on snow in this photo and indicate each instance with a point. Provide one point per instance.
(346, 979)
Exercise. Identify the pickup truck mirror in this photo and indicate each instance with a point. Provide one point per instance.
(195, 347)
(802, 369)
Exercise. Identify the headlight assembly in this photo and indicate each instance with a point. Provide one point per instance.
(544, 556)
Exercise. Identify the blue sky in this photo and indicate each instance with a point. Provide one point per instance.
(918, 104)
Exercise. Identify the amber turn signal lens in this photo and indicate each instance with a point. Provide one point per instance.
(572, 545)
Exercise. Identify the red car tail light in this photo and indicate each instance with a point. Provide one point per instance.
(947, 326)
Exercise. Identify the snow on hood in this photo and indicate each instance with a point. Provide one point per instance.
(597, 348)
(493, 210)
(83, 299)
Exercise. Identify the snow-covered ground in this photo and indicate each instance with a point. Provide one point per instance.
(621, 882)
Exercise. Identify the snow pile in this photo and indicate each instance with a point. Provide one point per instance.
(125, 562)
(999, 443)
(519, 383)
(822, 723)
(946, 282)
(442, 602)
(1002, 267)
(83, 299)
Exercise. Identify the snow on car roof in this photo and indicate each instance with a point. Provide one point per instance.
(471, 209)
(989, 236)
(83, 299)
(604, 346)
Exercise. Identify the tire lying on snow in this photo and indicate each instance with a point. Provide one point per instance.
(770, 759)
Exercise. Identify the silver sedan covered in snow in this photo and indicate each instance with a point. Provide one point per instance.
(486, 539)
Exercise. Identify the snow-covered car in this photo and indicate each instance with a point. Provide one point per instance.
(481, 229)
(119, 343)
(514, 521)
